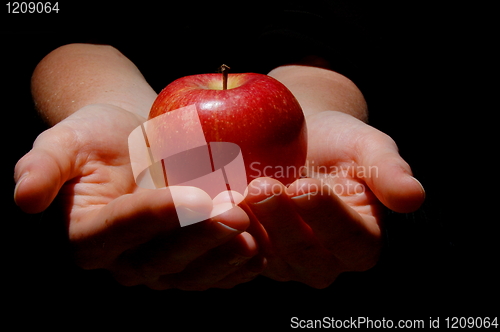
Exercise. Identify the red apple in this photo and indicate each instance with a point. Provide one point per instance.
(256, 112)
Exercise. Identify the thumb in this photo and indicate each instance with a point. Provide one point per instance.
(390, 177)
(41, 172)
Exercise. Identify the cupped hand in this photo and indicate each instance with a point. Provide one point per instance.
(330, 221)
(131, 231)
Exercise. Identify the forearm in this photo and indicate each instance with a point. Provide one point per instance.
(319, 89)
(76, 75)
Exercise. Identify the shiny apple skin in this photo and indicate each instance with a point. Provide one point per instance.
(257, 112)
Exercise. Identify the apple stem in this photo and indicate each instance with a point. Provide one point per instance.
(224, 69)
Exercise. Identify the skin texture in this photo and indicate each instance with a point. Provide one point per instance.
(310, 232)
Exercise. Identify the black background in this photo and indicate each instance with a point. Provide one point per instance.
(419, 68)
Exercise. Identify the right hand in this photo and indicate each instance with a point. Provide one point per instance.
(113, 224)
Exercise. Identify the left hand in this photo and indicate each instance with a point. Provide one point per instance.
(330, 222)
(130, 231)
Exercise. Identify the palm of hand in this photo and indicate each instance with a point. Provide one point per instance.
(338, 150)
(131, 231)
(329, 222)
(101, 174)
(355, 161)
(367, 167)
(102, 164)
(89, 151)
(94, 171)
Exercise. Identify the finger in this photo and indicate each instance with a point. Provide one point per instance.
(41, 172)
(295, 251)
(132, 220)
(254, 228)
(60, 153)
(388, 175)
(267, 199)
(229, 196)
(172, 253)
(355, 240)
(213, 267)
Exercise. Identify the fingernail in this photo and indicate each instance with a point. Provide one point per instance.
(306, 201)
(268, 204)
(18, 183)
(265, 200)
(420, 184)
(188, 216)
(224, 231)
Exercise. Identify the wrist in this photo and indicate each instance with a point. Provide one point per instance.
(318, 90)
(76, 75)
